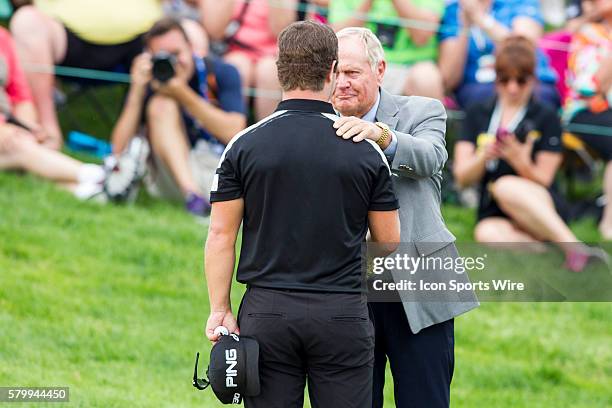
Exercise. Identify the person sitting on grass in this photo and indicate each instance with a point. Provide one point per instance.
(588, 108)
(94, 34)
(188, 119)
(22, 138)
(511, 146)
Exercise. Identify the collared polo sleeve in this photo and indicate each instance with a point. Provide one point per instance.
(227, 182)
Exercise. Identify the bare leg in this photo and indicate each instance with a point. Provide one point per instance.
(531, 207)
(605, 226)
(41, 42)
(504, 234)
(499, 230)
(244, 66)
(169, 142)
(424, 79)
(25, 154)
(266, 81)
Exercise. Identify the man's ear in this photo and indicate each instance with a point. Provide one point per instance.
(333, 72)
(380, 71)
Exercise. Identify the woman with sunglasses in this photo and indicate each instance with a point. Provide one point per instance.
(511, 146)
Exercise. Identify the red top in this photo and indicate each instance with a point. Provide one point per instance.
(12, 77)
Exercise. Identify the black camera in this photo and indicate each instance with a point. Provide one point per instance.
(163, 66)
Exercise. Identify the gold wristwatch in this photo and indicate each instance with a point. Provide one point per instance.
(386, 133)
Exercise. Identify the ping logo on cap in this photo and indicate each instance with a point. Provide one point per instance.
(231, 356)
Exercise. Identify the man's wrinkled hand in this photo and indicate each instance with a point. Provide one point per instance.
(350, 127)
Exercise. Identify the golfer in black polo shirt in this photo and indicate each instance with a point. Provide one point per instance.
(306, 199)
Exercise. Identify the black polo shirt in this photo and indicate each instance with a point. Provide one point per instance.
(307, 193)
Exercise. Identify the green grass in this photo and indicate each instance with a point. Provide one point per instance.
(110, 301)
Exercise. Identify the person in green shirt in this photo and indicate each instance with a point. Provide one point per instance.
(407, 30)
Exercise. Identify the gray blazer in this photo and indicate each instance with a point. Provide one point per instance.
(419, 124)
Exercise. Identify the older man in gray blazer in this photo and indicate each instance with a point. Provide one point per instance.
(417, 336)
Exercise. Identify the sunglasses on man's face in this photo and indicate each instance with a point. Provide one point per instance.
(521, 80)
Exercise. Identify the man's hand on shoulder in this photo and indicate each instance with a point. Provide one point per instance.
(350, 127)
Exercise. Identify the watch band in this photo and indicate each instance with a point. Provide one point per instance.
(385, 135)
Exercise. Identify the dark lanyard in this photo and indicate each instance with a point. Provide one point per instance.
(200, 67)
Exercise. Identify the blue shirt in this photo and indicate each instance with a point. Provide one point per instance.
(370, 116)
(479, 66)
(228, 97)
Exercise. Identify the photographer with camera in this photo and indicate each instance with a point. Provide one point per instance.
(511, 146)
(189, 106)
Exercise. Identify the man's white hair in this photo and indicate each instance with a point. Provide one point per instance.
(373, 47)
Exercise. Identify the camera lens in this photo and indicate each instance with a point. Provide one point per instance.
(163, 66)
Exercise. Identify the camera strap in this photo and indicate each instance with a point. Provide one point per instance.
(209, 94)
(200, 67)
(211, 80)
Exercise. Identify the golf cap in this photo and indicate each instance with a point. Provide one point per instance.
(233, 371)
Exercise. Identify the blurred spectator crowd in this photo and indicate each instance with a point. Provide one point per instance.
(534, 79)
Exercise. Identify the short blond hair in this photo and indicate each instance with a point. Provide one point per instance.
(373, 47)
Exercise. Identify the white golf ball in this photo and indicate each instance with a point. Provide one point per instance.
(221, 330)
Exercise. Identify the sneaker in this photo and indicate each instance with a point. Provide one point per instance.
(125, 171)
(578, 260)
(91, 192)
(197, 205)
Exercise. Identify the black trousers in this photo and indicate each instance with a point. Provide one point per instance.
(326, 339)
(422, 364)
